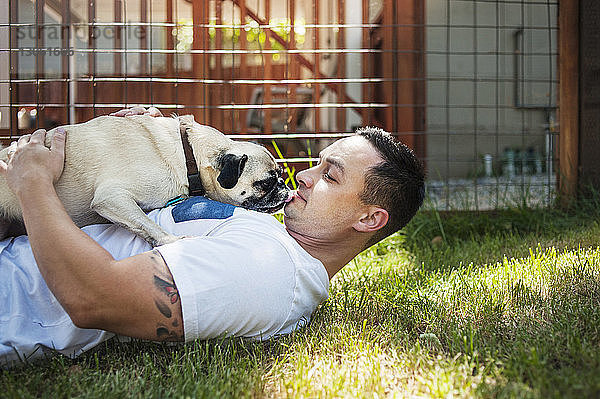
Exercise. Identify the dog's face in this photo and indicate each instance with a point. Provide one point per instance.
(236, 172)
(247, 175)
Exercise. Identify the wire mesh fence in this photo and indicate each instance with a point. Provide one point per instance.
(470, 85)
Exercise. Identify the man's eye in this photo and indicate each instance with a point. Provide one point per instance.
(327, 176)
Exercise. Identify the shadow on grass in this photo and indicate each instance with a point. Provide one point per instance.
(213, 368)
(449, 240)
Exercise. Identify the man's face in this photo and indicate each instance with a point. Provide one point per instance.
(327, 202)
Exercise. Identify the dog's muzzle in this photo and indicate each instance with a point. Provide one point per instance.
(272, 201)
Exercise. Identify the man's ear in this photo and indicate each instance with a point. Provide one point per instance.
(372, 220)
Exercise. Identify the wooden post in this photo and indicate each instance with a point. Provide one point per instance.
(65, 36)
(407, 38)
(568, 23)
(403, 71)
(14, 68)
(341, 67)
(366, 87)
(118, 41)
(242, 93)
(267, 125)
(170, 70)
(39, 61)
(144, 32)
(317, 85)
(91, 58)
(388, 58)
(219, 68)
(145, 95)
(292, 124)
(120, 89)
(200, 60)
(207, 91)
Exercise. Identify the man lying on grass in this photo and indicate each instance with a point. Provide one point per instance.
(238, 273)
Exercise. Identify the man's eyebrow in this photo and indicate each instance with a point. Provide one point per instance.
(338, 163)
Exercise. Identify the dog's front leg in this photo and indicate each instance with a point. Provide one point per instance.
(119, 206)
(4, 228)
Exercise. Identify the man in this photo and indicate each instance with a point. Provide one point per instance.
(237, 272)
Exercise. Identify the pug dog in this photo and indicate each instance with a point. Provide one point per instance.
(117, 168)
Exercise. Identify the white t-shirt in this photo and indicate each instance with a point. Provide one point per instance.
(239, 273)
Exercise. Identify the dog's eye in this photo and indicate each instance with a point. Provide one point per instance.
(266, 184)
(243, 193)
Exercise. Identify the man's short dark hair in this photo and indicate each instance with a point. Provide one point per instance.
(396, 185)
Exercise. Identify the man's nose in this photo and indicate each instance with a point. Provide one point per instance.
(304, 177)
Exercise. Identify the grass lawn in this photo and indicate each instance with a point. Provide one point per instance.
(464, 305)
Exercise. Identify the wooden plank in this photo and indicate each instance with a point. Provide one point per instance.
(403, 71)
(292, 124)
(588, 179)
(199, 70)
(118, 44)
(388, 58)
(420, 89)
(39, 62)
(366, 92)
(144, 33)
(410, 87)
(14, 68)
(65, 13)
(568, 22)
(170, 59)
(91, 59)
(219, 98)
(317, 85)
(244, 70)
(267, 98)
(207, 71)
(341, 66)
(118, 41)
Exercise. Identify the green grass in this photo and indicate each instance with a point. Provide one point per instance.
(500, 305)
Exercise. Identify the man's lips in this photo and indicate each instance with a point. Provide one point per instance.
(298, 195)
(290, 196)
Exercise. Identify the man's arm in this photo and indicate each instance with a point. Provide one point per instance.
(135, 296)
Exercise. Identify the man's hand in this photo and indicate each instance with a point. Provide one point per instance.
(137, 111)
(31, 163)
(135, 296)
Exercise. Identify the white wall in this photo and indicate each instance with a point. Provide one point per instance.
(457, 79)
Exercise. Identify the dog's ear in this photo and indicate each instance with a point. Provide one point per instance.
(232, 167)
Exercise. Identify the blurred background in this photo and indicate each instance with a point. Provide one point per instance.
(470, 85)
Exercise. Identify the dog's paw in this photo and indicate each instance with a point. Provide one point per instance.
(167, 239)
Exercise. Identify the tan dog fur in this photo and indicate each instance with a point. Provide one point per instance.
(118, 167)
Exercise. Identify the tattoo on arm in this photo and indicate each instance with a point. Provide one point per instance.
(163, 308)
(166, 287)
(163, 334)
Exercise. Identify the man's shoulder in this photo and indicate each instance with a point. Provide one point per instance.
(199, 216)
(200, 207)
